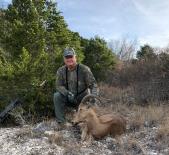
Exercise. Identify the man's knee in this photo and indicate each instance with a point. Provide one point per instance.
(57, 96)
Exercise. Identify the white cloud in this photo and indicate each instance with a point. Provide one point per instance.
(156, 40)
(155, 21)
(154, 11)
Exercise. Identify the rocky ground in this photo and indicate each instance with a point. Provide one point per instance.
(147, 133)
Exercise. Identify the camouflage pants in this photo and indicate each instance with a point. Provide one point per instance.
(61, 102)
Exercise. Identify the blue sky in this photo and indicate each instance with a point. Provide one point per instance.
(143, 20)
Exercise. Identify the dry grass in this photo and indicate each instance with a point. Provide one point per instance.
(146, 116)
(23, 134)
(139, 119)
(136, 119)
(163, 131)
(55, 138)
(138, 116)
(154, 114)
(132, 145)
(147, 128)
(117, 95)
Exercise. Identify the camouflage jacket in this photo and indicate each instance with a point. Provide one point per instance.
(66, 80)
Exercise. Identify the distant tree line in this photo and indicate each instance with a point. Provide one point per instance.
(146, 76)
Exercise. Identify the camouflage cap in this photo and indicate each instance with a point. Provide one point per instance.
(69, 51)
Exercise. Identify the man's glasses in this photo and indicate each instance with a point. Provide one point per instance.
(69, 56)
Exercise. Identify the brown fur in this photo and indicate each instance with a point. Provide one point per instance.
(99, 126)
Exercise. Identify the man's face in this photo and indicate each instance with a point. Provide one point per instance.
(70, 61)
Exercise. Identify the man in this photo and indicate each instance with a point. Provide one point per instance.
(73, 82)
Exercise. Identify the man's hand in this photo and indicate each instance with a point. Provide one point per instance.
(71, 97)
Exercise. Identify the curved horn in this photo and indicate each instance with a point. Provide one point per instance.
(87, 97)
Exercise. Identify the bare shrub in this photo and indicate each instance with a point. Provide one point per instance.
(124, 48)
(147, 77)
(144, 82)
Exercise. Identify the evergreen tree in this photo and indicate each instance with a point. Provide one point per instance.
(98, 57)
(36, 25)
(146, 52)
(34, 35)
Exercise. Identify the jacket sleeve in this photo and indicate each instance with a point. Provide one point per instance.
(91, 82)
(60, 87)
